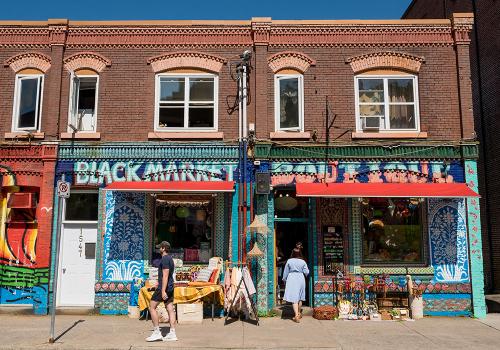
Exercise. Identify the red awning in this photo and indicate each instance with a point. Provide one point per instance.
(172, 186)
(350, 190)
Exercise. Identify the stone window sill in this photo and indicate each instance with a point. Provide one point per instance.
(80, 136)
(282, 135)
(167, 135)
(24, 135)
(389, 135)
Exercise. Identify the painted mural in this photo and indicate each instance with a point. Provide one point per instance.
(362, 172)
(448, 240)
(123, 238)
(23, 267)
(105, 172)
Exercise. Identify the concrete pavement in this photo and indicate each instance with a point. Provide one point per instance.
(120, 332)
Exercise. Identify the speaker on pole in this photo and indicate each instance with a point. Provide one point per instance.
(263, 183)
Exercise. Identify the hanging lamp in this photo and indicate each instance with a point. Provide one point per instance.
(257, 226)
(255, 252)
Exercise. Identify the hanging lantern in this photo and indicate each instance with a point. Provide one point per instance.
(255, 252)
(182, 212)
(377, 223)
(285, 203)
(257, 226)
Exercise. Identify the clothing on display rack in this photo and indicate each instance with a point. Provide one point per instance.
(238, 298)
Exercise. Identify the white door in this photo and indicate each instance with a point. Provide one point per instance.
(77, 265)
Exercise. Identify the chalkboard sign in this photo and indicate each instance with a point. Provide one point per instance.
(333, 249)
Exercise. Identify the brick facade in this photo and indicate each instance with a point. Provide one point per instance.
(485, 69)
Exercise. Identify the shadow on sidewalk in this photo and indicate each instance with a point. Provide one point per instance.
(68, 329)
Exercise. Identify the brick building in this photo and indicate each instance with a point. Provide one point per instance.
(485, 74)
(145, 117)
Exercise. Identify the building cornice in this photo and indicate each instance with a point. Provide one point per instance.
(258, 31)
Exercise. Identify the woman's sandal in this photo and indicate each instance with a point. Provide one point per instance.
(296, 319)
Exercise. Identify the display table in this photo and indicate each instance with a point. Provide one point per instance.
(191, 294)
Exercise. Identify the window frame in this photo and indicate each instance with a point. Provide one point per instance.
(277, 107)
(186, 77)
(424, 249)
(17, 100)
(385, 124)
(71, 112)
(80, 191)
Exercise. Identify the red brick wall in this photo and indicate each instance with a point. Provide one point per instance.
(487, 104)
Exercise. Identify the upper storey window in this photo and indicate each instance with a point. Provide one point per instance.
(27, 101)
(289, 102)
(387, 103)
(186, 102)
(83, 103)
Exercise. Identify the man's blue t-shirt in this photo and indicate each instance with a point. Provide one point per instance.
(166, 263)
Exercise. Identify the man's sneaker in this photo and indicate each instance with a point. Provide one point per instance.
(155, 336)
(170, 337)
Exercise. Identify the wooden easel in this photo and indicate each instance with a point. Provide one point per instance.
(242, 281)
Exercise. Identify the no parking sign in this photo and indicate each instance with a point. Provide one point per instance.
(63, 189)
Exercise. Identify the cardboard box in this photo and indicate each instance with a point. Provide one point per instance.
(190, 313)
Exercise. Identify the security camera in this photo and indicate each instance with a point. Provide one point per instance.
(246, 55)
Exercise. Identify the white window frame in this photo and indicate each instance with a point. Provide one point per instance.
(186, 101)
(277, 107)
(72, 103)
(385, 123)
(64, 221)
(17, 100)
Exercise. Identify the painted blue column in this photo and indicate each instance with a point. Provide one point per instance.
(475, 242)
(53, 248)
(234, 224)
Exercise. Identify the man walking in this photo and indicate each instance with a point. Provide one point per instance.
(163, 293)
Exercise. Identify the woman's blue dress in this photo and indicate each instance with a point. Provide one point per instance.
(295, 288)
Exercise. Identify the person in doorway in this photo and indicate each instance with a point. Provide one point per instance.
(295, 288)
(164, 293)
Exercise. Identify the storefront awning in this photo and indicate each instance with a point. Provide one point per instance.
(350, 190)
(173, 186)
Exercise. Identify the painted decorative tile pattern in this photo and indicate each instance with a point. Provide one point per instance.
(112, 287)
(448, 240)
(124, 236)
(219, 211)
(447, 305)
(101, 230)
(148, 225)
(357, 246)
(475, 244)
(112, 303)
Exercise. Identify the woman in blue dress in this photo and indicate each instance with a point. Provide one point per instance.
(295, 289)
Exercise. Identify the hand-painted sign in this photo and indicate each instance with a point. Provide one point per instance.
(106, 172)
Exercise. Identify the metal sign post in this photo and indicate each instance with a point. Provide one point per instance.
(62, 193)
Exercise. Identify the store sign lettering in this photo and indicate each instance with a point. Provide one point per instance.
(97, 173)
(372, 172)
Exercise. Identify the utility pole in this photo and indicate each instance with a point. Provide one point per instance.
(62, 193)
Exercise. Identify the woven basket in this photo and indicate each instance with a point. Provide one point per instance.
(326, 312)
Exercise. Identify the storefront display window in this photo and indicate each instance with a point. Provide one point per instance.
(392, 230)
(187, 224)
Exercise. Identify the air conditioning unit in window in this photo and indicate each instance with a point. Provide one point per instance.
(370, 123)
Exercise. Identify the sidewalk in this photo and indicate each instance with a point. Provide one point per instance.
(120, 332)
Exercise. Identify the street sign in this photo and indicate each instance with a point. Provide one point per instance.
(63, 189)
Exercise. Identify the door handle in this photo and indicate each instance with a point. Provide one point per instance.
(64, 270)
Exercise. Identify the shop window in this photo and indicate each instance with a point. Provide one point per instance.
(289, 105)
(186, 102)
(83, 103)
(392, 231)
(27, 102)
(188, 225)
(387, 103)
(81, 206)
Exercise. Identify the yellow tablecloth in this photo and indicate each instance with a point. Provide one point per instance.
(144, 298)
(192, 294)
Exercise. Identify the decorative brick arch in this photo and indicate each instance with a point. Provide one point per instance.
(26, 60)
(90, 60)
(290, 60)
(187, 59)
(386, 59)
